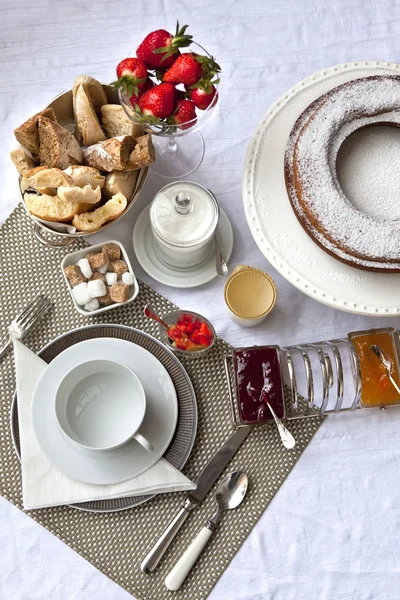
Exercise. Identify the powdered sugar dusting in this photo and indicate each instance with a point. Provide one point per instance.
(316, 151)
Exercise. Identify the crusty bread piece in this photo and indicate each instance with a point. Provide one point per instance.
(111, 155)
(23, 163)
(95, 91)
(45, 180)
(94, 220)
(51, 208)
(86, 195)
(27, 133)
(116, 122)
(58, 147)
(82, 176)
(143, 153)
(86, 119)
(123, 182)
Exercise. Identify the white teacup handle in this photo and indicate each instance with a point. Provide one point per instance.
(143, 442)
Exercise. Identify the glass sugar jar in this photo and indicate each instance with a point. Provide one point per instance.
(183, 216)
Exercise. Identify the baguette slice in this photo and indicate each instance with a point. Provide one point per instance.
(143, 153)
(86, 119)
(23, 163)
(82, 176)
(123, 182)
(45, 180)
(116, 122)
(27, 133)
(93, 221)
(110, 155)
(95, 91)
(52, 208)
(85, 195)
(58, 147)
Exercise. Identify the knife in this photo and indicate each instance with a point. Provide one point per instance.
(204, 482)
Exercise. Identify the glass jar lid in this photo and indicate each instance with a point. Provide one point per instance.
(184, 214)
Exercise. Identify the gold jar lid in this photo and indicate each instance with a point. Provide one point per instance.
(250, 293)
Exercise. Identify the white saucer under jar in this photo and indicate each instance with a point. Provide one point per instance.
(183, 216)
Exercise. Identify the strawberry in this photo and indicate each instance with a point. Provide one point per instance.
(201, 98)
(186, 69)
(158, 102)
(185, 111)
(160, 48)
(132, 75)
(146, 86)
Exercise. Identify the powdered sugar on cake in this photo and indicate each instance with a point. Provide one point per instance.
(333, 118)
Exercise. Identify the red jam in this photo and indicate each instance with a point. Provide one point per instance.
(258, 378)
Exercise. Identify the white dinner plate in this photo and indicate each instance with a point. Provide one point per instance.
(143, 246)
(273, 223)
(130, 460)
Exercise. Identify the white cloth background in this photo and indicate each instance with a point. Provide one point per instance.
(332, 531)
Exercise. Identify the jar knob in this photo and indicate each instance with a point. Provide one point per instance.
(183, 203)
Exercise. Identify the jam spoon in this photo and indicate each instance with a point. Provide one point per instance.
(287, 439)
(387, 363)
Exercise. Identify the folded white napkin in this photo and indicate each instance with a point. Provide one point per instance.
(43, 484)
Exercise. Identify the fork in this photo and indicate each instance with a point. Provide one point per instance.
(26, 319)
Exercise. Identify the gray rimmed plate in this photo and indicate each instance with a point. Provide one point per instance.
(181, 445)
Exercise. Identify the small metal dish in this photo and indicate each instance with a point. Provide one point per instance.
(171, 318)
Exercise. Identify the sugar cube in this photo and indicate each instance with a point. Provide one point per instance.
(92, 305)
(96, 288)
(84, 266)
(97, 275)
(128, 278)
(111, 278)
(113, 251)
(97, 259)
(103, 268)
(74, 275)
(118, 267)
(81, 293)
(106, 299)
(119, 292)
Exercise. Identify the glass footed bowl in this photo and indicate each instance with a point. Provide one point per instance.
(179, 148)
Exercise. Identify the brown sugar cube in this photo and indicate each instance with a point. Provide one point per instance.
(106, 299)
(97, 259)
(118, 267)
(74, 275)
(97, 275)
(119, 292)
(113, 251)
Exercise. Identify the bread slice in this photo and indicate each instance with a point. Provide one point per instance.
(58, 147)
(143, 153)
(86, 119)
(110, 155)
(51, 208)
(23, 163)
(27, 133)
(93, 221)
(95, 91)
(45, 180)
(82, 176)
(116, 122)
(122, 182)
(86, 195)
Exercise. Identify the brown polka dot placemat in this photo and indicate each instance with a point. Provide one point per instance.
(116, 543)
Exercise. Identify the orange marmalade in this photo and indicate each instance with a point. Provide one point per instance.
(376, 388)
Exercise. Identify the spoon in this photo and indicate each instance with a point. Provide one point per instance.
(229, 494)
(287, 439)
(151, 314)
(387, 363)
(220, 262)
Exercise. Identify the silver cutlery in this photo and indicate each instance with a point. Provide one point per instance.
(229, 495)
(387, 363)
(220, 262)
(204, 482)
(26, 319)
(287, 439)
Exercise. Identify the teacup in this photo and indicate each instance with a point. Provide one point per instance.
(100, 405)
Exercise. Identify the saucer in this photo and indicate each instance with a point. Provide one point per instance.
(129, 460)
(143, 246)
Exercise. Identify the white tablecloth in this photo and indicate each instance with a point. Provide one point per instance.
(331, 533)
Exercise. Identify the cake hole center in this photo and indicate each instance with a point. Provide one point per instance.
(368, 171)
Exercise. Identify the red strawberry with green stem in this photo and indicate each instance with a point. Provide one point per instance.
(186, 69)
(160, 48)
(202, 98)
(185, 111)
(147, 86)
(158, 102)
(132, 75)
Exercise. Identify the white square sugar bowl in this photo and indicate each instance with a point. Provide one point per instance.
(74, 257)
